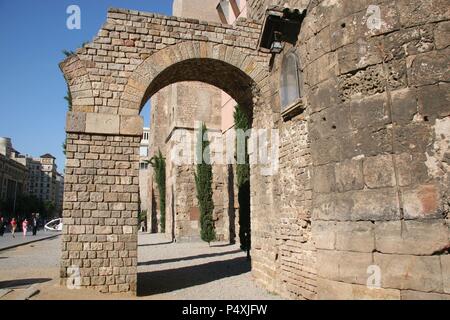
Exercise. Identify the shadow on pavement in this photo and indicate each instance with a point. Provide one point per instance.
(154, 244)
(15, 284)
(200, 256)
(156, 282)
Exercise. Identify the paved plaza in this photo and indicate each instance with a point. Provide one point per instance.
(166, 271)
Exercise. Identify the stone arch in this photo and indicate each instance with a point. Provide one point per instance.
(192, 61)
(79, 84)
(102, 190)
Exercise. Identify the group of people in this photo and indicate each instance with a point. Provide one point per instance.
(33, 222)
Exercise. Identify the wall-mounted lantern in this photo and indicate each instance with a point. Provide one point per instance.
(277, 44)
(280, 25)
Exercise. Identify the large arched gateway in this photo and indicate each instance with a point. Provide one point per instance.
(356, 204)
(110, 80)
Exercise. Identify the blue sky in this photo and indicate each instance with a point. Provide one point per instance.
(32, 88)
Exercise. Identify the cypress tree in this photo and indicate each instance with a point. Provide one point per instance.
(243, 183)
(203, 183)
(158, 163)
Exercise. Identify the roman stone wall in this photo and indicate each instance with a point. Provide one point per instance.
(359, 206)
(377, 113)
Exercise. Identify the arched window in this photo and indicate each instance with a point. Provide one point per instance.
(290, 83)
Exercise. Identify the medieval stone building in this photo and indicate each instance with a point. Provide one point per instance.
(354, 201)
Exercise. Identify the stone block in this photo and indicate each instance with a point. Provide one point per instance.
(434, 101)
(76, 122)
(379, 171)
(414, 137)
(445, 263)
(416, 12)
(324, 151)
(349, 175)
(324, 235)
(349, 267)
(103, 230)
(323, 207)
(331, 121)
(366, 205)
(77, 229)
(102, 123)
(408, 272)
(442, 35)
(404, 106)
(421, 202)
(324, 95)
(355, 236)
(411, 169)
(324, 179)
(127, 230)
(358, 55)
(131, 125)
(417, 295)
(72, 163)
(370, 112)
(370, 142)
(411, 237)
(429, 68)
(334, 290)
(96, 196)
(70, 196)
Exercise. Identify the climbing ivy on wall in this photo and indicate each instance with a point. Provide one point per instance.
(203, 184)
(158, 162)
(243, 182)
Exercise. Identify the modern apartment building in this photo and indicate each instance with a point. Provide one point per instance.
(34, 176)
(13, 175)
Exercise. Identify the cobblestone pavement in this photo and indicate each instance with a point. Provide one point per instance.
(166, 271)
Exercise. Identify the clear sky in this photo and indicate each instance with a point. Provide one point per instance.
(32, 88)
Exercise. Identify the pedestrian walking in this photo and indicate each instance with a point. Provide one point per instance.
(24, 227)
(13, 227)
(34, 223)
(2, 226)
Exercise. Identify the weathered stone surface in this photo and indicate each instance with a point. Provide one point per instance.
(367, 205)
(349, 175)
(421, 202)
(355, 236)
(324, 179)
(404, 106)
(415, 12)
(445, 263)
(429, 68)
(434, 101)
(349, 267)
(407, 272)
(76, 122)
(442, 35)
(411, 237)
(102, 123)
(324, 234)
(131, 125)
(418, 295)
(379, 172)
(334, 290)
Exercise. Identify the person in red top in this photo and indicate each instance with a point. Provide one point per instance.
(13, 227)
(24, 227)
